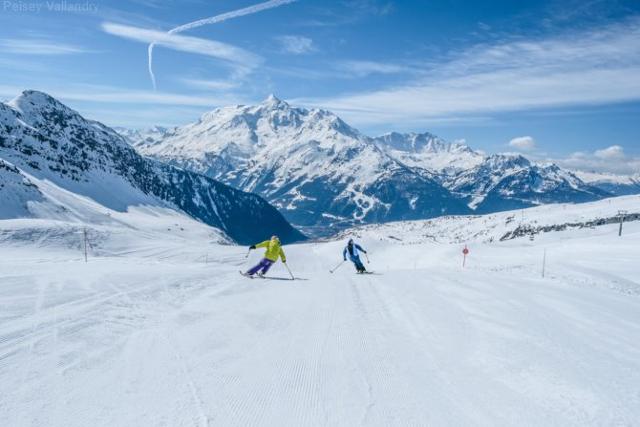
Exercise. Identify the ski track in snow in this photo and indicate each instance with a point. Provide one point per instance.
(153, 335)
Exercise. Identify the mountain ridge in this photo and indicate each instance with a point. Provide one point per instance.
(44, 138)
(309, 163)
(320, 171)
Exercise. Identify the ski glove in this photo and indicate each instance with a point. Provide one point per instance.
(252, 247)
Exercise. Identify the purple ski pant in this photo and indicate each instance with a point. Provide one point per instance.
(264, 264)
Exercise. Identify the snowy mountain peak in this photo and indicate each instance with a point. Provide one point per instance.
(510, 181)
(273, 102)
(423, 142)
(53, 143)
(33, 103)
(310, 163)
(507, 161)
(616, 184)
(412, 142)
(35, 106)
(140, 137)
(158, 129)
(320, 171)
(36, 98)
(427, 151)
(272, 107)
(232, 134)
(55, 120)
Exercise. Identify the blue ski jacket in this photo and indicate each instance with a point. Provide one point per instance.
(353, 253)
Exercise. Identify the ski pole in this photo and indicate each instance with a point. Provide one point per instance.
(367, 256)
(289, 270)
(337, 266)
(248, 252)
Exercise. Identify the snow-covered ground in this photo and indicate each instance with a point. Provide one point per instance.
(502, 225)
(158, 328)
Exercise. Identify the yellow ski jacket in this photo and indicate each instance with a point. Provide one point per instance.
(274, 250)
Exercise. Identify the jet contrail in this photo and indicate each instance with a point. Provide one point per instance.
(214, 20)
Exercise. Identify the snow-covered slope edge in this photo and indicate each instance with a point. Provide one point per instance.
(503, 225)
(44, 139)
(16, 191)
(60, 219)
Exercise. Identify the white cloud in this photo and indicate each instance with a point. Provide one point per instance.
(371, 7)
(365, 68)
(296, 45)
(137, 108)
(38, 47)
(229, 53)
(611, 160)
(345, 70)
(211, 84)
(610, 153)
(162, 115)
(586, 68)
(118, 95)
(124, 96)
(249, 10)
(525, 143)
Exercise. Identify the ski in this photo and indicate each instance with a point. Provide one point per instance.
(257, 276)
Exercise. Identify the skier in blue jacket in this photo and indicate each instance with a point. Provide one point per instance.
(353, 250)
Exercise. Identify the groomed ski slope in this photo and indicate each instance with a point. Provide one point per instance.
(166, 332)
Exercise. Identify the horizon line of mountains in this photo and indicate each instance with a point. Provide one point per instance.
(321, 174)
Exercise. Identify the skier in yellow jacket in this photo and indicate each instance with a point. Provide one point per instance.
(274, 250)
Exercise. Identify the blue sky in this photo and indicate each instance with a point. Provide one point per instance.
(558, 80)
